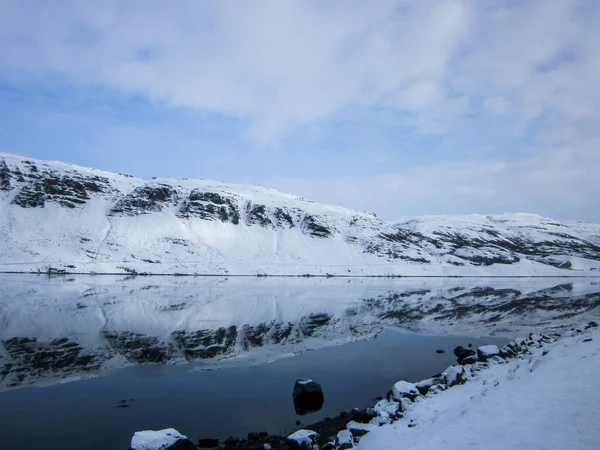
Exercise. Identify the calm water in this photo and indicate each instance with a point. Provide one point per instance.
(217, 358)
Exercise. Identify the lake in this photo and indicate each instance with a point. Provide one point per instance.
(87, 361)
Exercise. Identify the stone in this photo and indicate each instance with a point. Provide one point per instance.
(360, 429)
(424, 385)
(507, 352)
(461, 353)
(344, 440)
(469, 360)
(387, 409)
(167, 439)
(487, 351)
(308, 397)
(454, 375)
(304, 440)
(404, 389)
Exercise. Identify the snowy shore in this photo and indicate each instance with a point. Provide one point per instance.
(548, 399)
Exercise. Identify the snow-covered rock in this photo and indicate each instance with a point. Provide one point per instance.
(360, 429)
(167, 439)
(59, 217)
(487, 351)
(344, 440)
(386, 408)
(304, 440)
(404, 389)
(454, 375)
(425, 385)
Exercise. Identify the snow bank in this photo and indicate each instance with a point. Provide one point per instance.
(546, 399)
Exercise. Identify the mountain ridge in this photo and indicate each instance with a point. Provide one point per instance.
(60, 218)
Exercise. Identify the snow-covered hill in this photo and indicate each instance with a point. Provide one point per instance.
(58, 217)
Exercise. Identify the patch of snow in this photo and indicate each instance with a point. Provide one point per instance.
(155, 440)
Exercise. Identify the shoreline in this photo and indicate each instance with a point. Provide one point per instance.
(393, 409)
(218, 275)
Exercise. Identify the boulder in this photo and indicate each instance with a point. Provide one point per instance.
(461, 353)
(507, 352)
(360, 429)
(454, 375)
(344, 440)
(304, 440)
(387, 409)
(167, 439)
(308, 397)
(404, 389)
(469, 360)
(487, 351)
(425, 385)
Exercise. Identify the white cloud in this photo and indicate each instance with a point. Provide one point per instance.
(562, 184)
(497, 105)
(279, 65)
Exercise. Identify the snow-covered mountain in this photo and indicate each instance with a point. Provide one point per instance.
(57, 217)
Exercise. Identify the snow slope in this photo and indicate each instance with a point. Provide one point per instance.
(58, 217)
(548, 400)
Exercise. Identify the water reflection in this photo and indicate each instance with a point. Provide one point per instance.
(59, 328)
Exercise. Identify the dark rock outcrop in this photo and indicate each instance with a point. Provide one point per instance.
(210, 206)
(257, 215)
(308, 397)
(314, 227)
(4, 176)
(146, 199)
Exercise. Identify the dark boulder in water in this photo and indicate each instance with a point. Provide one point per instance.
(308, 397)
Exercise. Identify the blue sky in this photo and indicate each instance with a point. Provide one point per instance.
(398, 107)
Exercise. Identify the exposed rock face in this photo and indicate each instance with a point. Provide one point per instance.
(210, 206)
(30, 358)
(206, 344)
(4, 176)
(314, 227)
(146, 199)
(257, 215)
(284, 218)
(39, 185)
(139, 348)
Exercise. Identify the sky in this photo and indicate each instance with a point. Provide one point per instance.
(398, 107)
